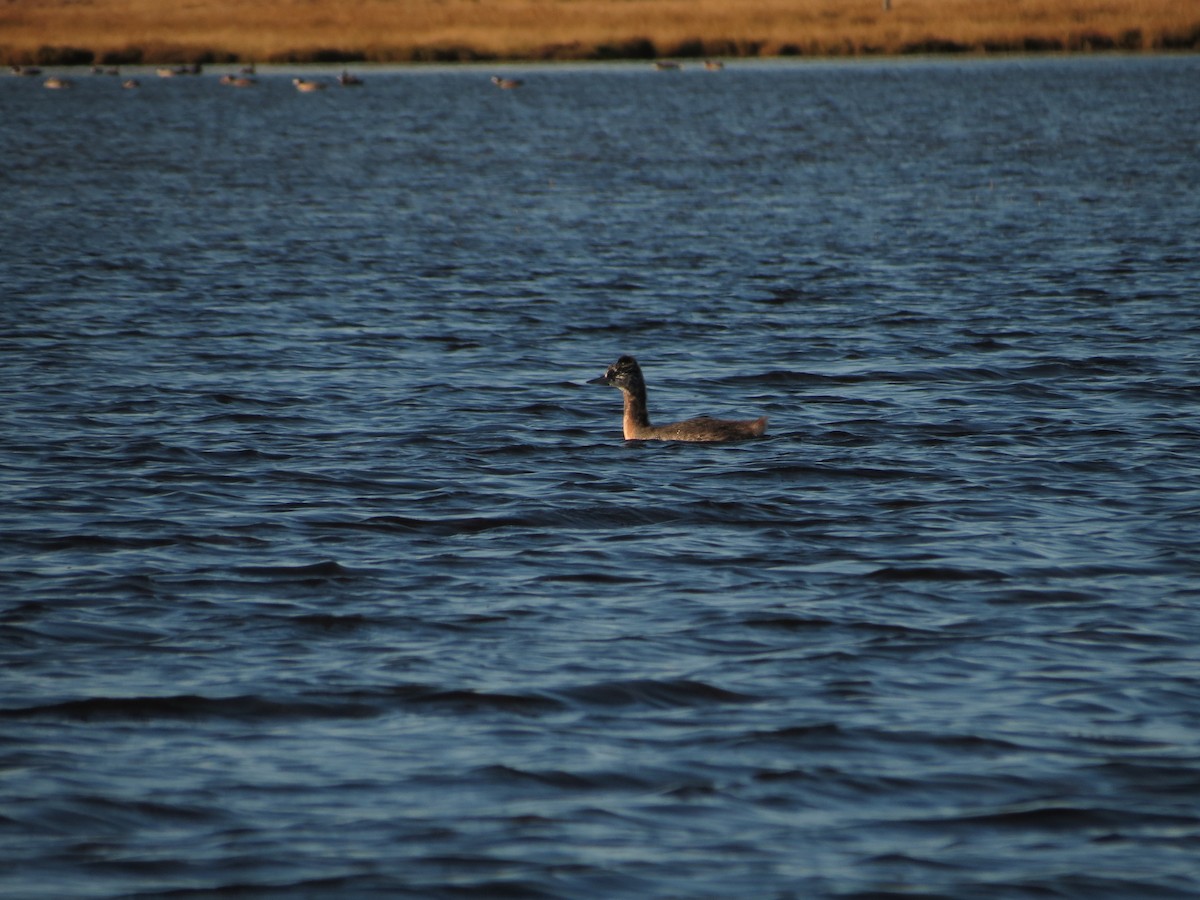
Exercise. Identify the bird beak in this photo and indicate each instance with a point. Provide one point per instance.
(603, 379)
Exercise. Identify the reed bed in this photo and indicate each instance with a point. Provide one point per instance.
(151, 31)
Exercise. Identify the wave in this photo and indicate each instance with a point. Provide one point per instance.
(653, 693)
(1051, 816)
(901, 574)
(252, 708)
(648, 693)
(248, 708)
(1049, 368)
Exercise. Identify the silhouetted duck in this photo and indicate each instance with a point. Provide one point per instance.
(626, 374)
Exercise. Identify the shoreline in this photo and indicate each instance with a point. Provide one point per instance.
(215, 32)
(491, 66)
(76, 57)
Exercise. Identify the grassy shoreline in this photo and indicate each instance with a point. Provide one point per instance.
(116, 32)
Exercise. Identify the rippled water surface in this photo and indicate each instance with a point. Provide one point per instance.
(326, 573)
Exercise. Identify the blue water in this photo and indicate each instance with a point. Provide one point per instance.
(325, 573)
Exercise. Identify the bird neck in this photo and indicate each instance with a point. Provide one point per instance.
(636, 420)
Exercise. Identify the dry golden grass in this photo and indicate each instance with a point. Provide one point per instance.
(153, 31)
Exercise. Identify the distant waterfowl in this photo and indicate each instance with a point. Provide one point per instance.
(348, 80)
(666, 65)
(506, 84)
(714, 65)
(307, 85)
(626, 375)
(55, 83)
(172, 71)
(130, 84)
(238, 81)
(25, 71)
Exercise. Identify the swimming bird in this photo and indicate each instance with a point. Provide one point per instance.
(55, 83)
(506, 83)
(173, 71)
(348, 80)
(306, 86)
(626, 375)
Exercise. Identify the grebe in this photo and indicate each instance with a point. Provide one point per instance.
(306, 86)
(626, 374)
(506, 84)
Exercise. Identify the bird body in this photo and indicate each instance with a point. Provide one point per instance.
(626, 375)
